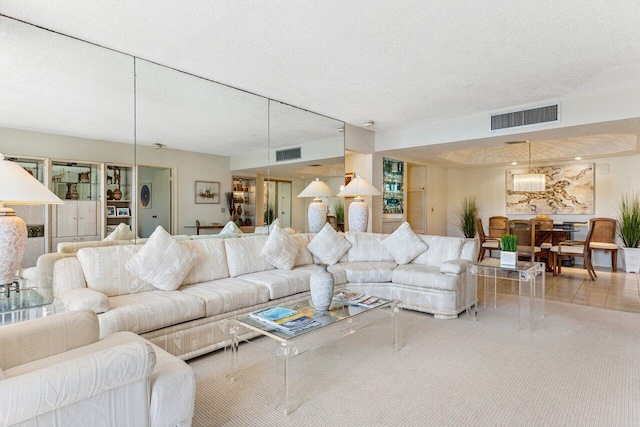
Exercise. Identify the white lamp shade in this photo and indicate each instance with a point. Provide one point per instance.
(359, 187)
(317, 188)
(18, 187)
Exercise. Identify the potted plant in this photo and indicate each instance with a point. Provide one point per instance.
(339, 208)
(467, 217)
(269, 216)
(508, 250)
(629, 231)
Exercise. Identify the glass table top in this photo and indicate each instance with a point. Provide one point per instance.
(495, 262)
(26, 298)
(338, 312)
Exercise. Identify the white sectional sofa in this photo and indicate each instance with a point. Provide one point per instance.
(230, 277)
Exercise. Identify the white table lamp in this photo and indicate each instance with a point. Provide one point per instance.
(358, 209)
(317, 212)
(17, 187)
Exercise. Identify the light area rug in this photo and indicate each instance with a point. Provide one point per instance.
(580, 367)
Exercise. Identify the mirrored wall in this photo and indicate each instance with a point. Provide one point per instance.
(126, 141)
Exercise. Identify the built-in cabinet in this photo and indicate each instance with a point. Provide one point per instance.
(119, 196)
(244, 201)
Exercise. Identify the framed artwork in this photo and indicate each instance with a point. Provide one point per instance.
(569, 190)
(145, 195)
(207, 192)
(123, 212)
(111, 211)
(348, 177)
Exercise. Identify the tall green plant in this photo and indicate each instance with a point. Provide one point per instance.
(629, 220)
(269, 216)
(509, 243)
(467, 216)
(339, 208)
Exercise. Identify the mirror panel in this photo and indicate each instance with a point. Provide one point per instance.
(321, 143)
(207, 130)
(68, 105)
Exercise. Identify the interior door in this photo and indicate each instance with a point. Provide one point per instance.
(157, 208)
(417, 212)
(284, 203)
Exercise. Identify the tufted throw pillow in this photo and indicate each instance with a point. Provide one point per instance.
(404, 245)
(328, 245)
(163, 261)
(231, 228)
(122, 232)
(280, 249)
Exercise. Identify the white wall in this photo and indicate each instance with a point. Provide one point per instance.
(488, 186)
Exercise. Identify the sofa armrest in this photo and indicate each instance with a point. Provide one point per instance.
(36, 339)
(454, 266)
(85, 299)
(67, 275)
(47, 389)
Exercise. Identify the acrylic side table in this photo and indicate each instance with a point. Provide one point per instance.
(24, 305)
(531, 287)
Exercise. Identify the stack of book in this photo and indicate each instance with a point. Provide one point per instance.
(285, 319)
(357, 298)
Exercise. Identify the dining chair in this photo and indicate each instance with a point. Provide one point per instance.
(525, 231)
(604, 238)
(544, 238)
(486, 243)
(497, 226)
(572, 248)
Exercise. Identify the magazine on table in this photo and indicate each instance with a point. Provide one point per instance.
(357, 298)
(285, 319)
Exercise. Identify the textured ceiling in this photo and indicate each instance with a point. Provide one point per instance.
(397, 63)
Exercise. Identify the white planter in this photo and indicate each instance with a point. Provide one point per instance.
(631, 258)
(508, 259)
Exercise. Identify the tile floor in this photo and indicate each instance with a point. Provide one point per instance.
(615, 291)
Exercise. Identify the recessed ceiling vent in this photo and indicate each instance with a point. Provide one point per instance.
(525, 117)
(288, 154)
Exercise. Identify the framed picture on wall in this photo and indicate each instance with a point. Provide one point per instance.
(207, 192)
(145, 195)
(348, 177)
(111, 211)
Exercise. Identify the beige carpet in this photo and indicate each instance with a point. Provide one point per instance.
(579, 368)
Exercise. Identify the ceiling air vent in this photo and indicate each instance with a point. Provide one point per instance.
(525, 117)
(288, 154)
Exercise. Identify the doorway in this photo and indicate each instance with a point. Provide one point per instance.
(155, 201)
(278, 195)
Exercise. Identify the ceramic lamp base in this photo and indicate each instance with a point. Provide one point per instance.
(358, 216)
(13, 239)
(317, 216)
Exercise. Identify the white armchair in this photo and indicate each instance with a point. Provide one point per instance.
(54, 371)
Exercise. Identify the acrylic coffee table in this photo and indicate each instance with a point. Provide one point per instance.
(341, 320)
(24, 305)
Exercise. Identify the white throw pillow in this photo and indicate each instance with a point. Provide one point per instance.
(231, 228)
(404, 245)
(122, 232)
(280, 249)
(328, 245)
(163, 261)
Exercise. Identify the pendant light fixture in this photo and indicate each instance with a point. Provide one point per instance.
(529, 182)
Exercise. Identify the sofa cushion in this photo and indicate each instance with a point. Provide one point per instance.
(455, 266)
(227, 295)
(211, 263)
(440, 249)
(367, 247)
(280, 250)
(365, 272)
(147, 311)
(282, 283)
(403, 244)
(122, 232)
(163, 261)
(303, 256)
(425, 276)
(328, 245)
(230, 228)
(104, 270)
(243, 255)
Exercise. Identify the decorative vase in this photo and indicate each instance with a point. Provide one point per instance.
(117, 194)
(321, 288)
(68, 195)
(631, 257)
(508, 259)
(74, 192)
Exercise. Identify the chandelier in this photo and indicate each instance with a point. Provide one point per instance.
(529, 182)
